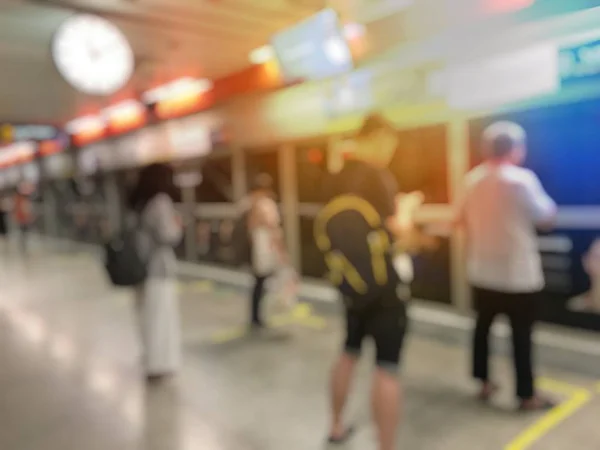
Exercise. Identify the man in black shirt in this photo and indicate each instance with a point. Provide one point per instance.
(356, 232)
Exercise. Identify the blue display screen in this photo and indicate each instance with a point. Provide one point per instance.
(580, 62)
(563, 149)
(313, 49)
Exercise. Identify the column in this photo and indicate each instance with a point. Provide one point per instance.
(458, 166)
(289, 202)
(188, 197)
(238, 173)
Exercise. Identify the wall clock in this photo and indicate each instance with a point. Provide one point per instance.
(92, 55)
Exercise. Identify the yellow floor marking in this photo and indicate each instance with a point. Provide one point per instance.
(301, 315)
(577, 398)
(198, 287)
(222, 337)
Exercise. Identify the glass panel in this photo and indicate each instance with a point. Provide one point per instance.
(213, 241)
(204, 241)
(420, 162)
(312, 172)
(217, 181)
(432, 274)
(312, 262)
(571, 260)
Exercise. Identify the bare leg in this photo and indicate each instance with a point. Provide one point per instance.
(386, 398)
(341, 379)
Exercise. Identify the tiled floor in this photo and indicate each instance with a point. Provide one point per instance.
(69, 378)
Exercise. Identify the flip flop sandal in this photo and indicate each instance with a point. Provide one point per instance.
(343, 438)
(545, 405)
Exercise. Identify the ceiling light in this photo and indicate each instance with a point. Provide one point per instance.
(84, 123)
(125, 108)
(262, 54)
(182, 86)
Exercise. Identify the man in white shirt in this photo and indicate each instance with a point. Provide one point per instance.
(502, 206)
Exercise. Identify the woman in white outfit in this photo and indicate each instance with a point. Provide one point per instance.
(157, 300)
(268, 250)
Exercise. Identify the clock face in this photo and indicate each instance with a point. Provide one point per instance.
(92, 55)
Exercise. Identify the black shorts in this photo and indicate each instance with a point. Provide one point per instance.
(385, 322)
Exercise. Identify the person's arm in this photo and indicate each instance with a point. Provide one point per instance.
(538, 204)
(403, 225)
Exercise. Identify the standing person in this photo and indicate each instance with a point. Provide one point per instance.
(502, 206)
(356, 232)
(152, 200)
(23, 214)
(4, 208)
(266, 239)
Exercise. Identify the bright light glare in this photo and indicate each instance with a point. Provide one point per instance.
(337, 50)
(183, 86)
(85, 123)
(19, 151)
(504, 6)
(262, 54)
(354, 30)
(126, 108)
(32, 328)
(102, 382)
(503, 78)
(62, 349)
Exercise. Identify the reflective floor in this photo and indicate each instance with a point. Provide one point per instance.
(70, 380)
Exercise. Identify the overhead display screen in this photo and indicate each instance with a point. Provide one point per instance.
(313, 49)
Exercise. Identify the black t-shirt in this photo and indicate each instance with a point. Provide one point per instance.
(377, 186)
(348, 231)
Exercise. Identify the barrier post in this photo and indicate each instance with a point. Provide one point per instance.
(238, 173)
(288, 184)
(458, 166)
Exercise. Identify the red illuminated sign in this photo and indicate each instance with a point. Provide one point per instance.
(181, 105)
(47, 148)
(125, 116)
(86, 130)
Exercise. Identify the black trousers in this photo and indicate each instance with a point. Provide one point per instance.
(258, 292)
(520, 308)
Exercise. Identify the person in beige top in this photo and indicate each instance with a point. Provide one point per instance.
(266, 237)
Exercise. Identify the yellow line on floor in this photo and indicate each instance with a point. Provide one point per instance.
(228, 335)
(577, 398)
(301, 315)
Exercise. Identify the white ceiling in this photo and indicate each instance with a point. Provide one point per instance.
(207, 38)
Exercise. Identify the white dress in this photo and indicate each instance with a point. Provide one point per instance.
(265, 258)
(158, 303)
